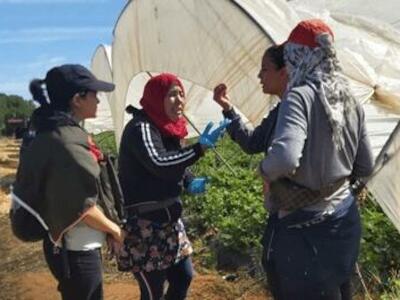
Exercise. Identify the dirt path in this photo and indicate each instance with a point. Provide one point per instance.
(24, 274)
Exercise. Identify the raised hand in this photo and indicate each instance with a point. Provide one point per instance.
(221, 96)
(210, 136)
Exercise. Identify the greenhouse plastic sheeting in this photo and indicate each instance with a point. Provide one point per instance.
(384, 185)
(386, 11)
(101, 67)
(211, 41)
(380, 125)
(203, 42)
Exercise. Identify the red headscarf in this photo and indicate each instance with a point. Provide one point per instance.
(152, 102)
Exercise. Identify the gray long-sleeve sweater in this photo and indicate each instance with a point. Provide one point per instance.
(252, 141)
(303, 149)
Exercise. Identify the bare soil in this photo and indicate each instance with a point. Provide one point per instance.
(24, 274)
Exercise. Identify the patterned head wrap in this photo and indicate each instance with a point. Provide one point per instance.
(311, 58)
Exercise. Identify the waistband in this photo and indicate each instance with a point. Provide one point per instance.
(150, 206)
(303, 219)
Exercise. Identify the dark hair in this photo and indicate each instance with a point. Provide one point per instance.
(37, 91)
(130, 109)
(275, 53)
(63, 82)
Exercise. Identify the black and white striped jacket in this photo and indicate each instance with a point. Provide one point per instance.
(152, 166)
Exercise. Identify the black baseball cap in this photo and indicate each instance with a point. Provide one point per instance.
(63, 82)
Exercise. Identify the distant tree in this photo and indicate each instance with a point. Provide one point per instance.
(13, 106)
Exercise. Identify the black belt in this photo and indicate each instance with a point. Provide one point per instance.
(150, 206)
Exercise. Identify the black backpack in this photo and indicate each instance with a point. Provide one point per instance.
(111, 199)
(26, 223)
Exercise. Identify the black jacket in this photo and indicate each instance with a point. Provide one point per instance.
(57, 175)
(152, 166)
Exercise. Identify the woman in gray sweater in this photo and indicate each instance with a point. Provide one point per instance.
(320, 144)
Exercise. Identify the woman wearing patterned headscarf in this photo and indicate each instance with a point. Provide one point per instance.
(312, 242)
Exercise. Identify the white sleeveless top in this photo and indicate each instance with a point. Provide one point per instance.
(84, 238)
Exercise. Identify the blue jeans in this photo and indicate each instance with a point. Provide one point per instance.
(179, 277)
(85, 280)
(314, 262)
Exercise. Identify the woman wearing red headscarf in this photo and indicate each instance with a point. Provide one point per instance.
(152, 166)
(312, 239)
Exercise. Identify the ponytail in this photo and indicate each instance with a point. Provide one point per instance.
(37, 91)
(131, 110)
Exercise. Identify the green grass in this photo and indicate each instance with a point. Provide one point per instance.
(106, 141)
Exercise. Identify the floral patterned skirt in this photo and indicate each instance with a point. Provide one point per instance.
(151, 246)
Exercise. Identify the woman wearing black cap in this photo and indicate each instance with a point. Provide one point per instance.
(60, 173)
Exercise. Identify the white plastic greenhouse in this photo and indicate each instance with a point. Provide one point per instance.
(206, 42)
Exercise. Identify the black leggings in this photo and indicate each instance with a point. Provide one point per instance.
(178, 276)
(85, 280)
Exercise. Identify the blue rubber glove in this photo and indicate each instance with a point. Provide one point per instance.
(210, 136)
(197, 185)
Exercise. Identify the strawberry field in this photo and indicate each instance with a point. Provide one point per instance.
(228, 220)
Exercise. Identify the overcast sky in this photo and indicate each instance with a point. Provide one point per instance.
(36, 35)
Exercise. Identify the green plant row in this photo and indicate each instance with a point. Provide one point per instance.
(232, 211)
